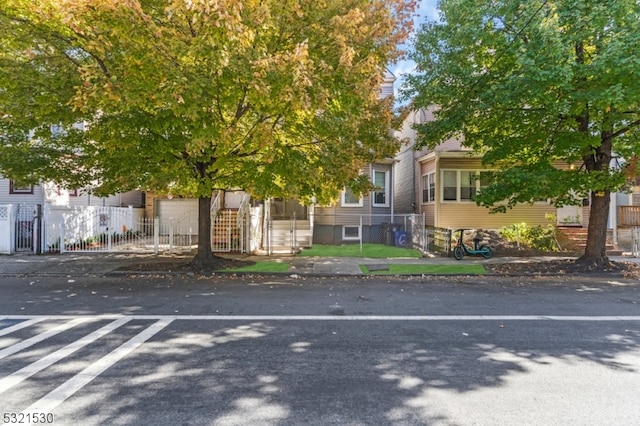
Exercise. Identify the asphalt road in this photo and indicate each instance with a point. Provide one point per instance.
(319, 351)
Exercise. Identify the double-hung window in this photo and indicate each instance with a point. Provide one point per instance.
(467, 185)
(349, 199)
(381, 191)
(463, 185)
(429, 188)
(449, 185)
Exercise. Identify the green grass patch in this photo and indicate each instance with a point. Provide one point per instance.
(263, 266)
(427, 269)
(353, 250)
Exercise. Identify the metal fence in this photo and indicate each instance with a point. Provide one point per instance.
(118, 229)
(89, 228)
(26, 226)
(230, 228)
(635, 241)
(122, 229)
(405, 230)
(143, 235)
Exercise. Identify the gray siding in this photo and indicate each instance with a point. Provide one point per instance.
(350, 215)
(405, 180)
(6, 198)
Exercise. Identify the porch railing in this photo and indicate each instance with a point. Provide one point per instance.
(628, 215)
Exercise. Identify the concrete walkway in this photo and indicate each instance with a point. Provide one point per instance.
(105, 263)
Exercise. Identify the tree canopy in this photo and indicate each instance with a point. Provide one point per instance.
(279, 98)
(547, 91)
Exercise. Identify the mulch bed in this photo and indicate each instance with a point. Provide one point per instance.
(562, 267)
(524, 268)
(182, 265)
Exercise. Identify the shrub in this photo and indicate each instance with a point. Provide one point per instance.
(538, 237)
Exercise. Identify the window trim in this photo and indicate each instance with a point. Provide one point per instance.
(18, 191)
(343, 202)
(387, 193)
(429, 185)
(458, 199)
(350, 238)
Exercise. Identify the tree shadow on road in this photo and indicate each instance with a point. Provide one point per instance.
(279, 373)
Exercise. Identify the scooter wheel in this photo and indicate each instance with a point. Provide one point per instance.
(486, 252)
(458, 252)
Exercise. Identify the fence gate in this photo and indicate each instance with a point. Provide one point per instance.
(24, 231)
(229, 231)
(414, 224)
(230, 228)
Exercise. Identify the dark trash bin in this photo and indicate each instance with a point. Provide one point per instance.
(401, 238)
(388, 232)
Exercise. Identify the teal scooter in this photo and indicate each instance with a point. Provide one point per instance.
(478, 249)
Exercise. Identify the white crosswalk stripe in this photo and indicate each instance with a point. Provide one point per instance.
(71, 386)
(24, 373)
(43, 336)
(21, 325)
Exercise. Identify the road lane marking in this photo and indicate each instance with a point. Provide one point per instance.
(43, 336)
(19, 326)
(77, 382)
(24, 373)
(346, 317)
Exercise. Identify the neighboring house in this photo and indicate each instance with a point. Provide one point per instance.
(370, 218)
(444, 180)
(49, 193)
(441, 182)
(366, 218)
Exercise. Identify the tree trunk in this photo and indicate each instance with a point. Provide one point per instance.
(595, 255)
(204, 259)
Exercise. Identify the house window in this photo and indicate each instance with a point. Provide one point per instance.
(467, 185)
(350, 200)
(449, 185)
(351, 233)
(17, 188)
(73, 193)
(381, 182)
(463, 185)
(429, 188)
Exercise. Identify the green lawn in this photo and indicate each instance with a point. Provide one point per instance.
(263, 266)
(353, 250)
(399, 269)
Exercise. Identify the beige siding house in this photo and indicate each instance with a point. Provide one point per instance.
(445, 179)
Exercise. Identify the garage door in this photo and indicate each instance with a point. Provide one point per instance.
(183, 213)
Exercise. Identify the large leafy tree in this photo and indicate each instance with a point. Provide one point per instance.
(280, 98)
(532, 86)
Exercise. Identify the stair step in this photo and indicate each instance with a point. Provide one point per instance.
(578, 237)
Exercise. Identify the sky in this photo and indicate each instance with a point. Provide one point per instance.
(426, 10)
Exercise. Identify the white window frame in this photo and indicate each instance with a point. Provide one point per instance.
(458, 184)
(349, 237)
(429, 185)
(387, 193)
(344, 203)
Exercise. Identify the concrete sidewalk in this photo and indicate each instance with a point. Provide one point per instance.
(105, 263)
